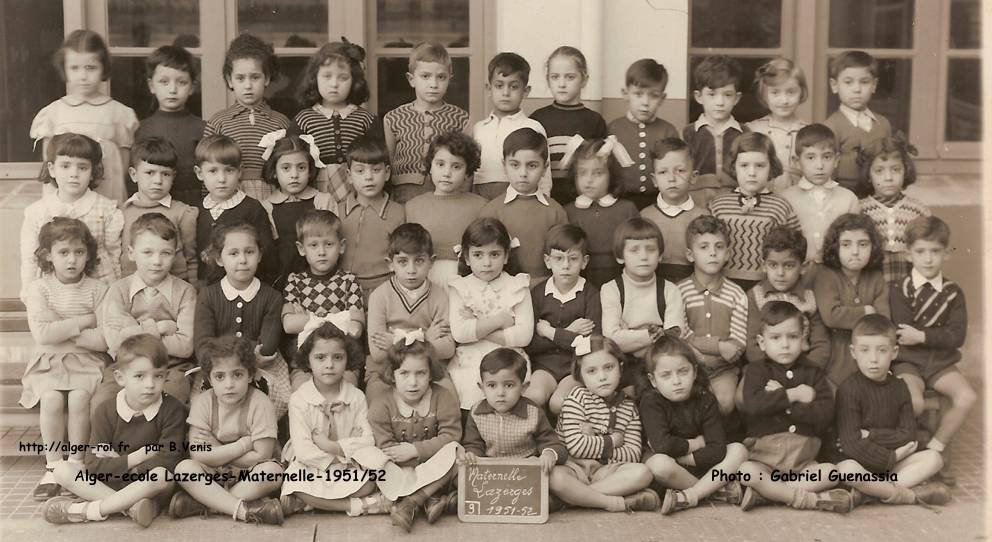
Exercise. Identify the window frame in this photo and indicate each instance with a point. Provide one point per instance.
(946, 148)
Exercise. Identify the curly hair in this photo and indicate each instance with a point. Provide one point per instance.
(587, 150)
(340, 52)
(329, 332)
(883, 148)
(65, 229)
(851, 222)
(481, 232)
(288, 145)
(251, 47)
(597, 343)
(73, 146)
(753, 142)
(458, 144)
(397, 354)
(226, 346)
(704, 224)
(667, 345)
(83, 41)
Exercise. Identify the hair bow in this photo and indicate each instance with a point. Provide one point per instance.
(900, 137)
(314, 150)
(610, 146)
(514, 243)
(408, 337)
(353, 50)
(582, 345)
(340, 320)
(457, 250)
(268, 142)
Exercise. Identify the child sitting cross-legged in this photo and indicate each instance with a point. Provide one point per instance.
(877, 427)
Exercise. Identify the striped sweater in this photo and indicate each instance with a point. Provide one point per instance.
(334, 133)
(714, 315)
(748, 227)
(246, 126)
(412, 131)
(606, 417)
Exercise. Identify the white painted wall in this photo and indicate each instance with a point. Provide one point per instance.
(611, 33)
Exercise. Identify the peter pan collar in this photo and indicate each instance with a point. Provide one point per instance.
(675, 210)
(703, 121)
(423, 407)
(348, 394)
(512, 194)
(279, 196)
(564, 297)
(125, 411)
(75, 101)
(329, 113)
(232, 293)
(585, 202)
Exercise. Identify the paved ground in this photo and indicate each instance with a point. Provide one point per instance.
(962, 520)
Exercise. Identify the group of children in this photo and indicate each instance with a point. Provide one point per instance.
(333, 313)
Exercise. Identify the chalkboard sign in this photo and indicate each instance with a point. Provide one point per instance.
(510, 490)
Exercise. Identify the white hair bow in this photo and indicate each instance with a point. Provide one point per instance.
(269, 140)
(408, 337)
(582, 345)
(514, 243)
(610, 146)
(340, 320)
(457, 250)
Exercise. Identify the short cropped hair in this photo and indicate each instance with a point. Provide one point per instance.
(815, 135)
(703, 224)
(397, 354)
(928, 228)
(317, 221)
(368, 149)
(776, 312)
(154, 150)
(504, 358)
(525, 139)
(410, 238)
(853, 59)
(636, 229)
(217, 148)
(784, 239)
(873, 325)
(156, 224)
(662, 147)
(428, 52)
(565, 237)
(171, 56)
(646, 72)
(717, 71)
(507, 64)
(142, 345)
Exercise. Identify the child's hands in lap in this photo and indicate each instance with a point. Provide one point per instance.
(905, 450)
(728, 350)
(548, 461)
(401, 453)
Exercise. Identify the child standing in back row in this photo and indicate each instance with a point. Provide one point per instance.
(567, 75)
(716, 83)
(781, 87)
(249, 66)
(410, 127)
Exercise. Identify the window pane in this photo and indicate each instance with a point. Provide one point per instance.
(405, 23)
(394, 90)
(892, 97)
(964, 100)
(32, 33)
(865, 24)
(281, 92)
(718, 23)
(300, 23)
(748, 108)
(966, 24)
(129, 85)
(153, 24)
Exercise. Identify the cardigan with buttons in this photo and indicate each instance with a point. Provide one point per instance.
(769, 412)
(638, 138)
(258, 320)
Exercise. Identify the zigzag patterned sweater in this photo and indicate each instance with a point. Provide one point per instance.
(748, 228)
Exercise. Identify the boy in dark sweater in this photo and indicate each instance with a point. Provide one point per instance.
(716, 85)
(787, 405)
(140, 434)
(171, 74)
(877, 427)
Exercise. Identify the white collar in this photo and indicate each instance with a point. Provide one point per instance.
(423, 407)
(512, 194)
(806, 185)
(138, 284)
(514, 117)
(675, 210)
(919, 280)
(853, 114)
(164, 202)
(585, 202)
(125, 411)
(703, 121)
(75, 209)
(564, 297)
(232, 293)
(278, 196)
(330, 112)
(348, 393)
(97, 99)
(209, 202)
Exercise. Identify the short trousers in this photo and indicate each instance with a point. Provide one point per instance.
(928, 376)
(591, 470)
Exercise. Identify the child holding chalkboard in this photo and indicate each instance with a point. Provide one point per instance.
(602, 431)
(417, 425)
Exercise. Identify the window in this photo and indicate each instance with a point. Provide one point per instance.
(962, 105)
(32, 32)
(134, 30)
(396, 26)
(715, 28)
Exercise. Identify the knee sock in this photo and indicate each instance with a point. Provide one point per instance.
(902, 495)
